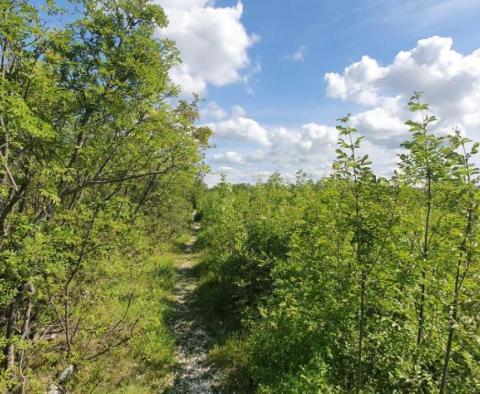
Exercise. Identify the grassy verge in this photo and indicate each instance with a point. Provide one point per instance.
(223, 325)
(144, 363)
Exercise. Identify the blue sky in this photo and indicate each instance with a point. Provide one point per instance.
(288, 69)
(275, 76)
(335, 34)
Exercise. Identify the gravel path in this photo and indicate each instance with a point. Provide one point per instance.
(193, 373)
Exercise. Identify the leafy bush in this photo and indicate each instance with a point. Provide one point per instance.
(355, 282)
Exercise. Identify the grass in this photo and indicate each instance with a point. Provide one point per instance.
(223, 325)
(145, 363)
(180, 242)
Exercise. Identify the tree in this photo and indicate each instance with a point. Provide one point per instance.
(423, 166)
(356, 171)
(89, 140)
(465, 176)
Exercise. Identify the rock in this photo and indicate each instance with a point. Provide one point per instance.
(67, 373)
(54, 389)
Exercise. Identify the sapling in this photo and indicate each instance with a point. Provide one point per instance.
(423, 166)
(355, 169)
(465, 176)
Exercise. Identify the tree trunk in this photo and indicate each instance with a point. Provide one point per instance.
(361, 330)
(9, 349)
(448, 349)
(425, 253)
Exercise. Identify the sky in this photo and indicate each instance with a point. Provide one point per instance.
(274, 76)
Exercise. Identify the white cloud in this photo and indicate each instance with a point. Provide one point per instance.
(213, 111)
(357, 82)
(450, 80)
(231, 157)
(336, 85)
(297, 56)
(225, 169)
(212, 41)
(240, 128)
(317, 132)
(383, 125)
(310, 147)
(299, 146)
(284, 144)
(238, 112)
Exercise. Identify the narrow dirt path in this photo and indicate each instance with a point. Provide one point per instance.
(193, 373)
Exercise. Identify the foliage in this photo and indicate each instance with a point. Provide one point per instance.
(98, 161)
(354, 282)
(351, 283)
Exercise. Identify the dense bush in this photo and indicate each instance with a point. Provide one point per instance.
(355, 282)
(98, 159)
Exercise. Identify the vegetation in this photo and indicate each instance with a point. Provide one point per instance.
(354, 283)
(96, 169)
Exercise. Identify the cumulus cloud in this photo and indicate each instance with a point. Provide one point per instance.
(450, 80)
(268, 149)
(298, 146)
(231, 157)
(357, 82)
(212, 41)
(225, 169)
(238, 127)
(385, 124)
(213, 111)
